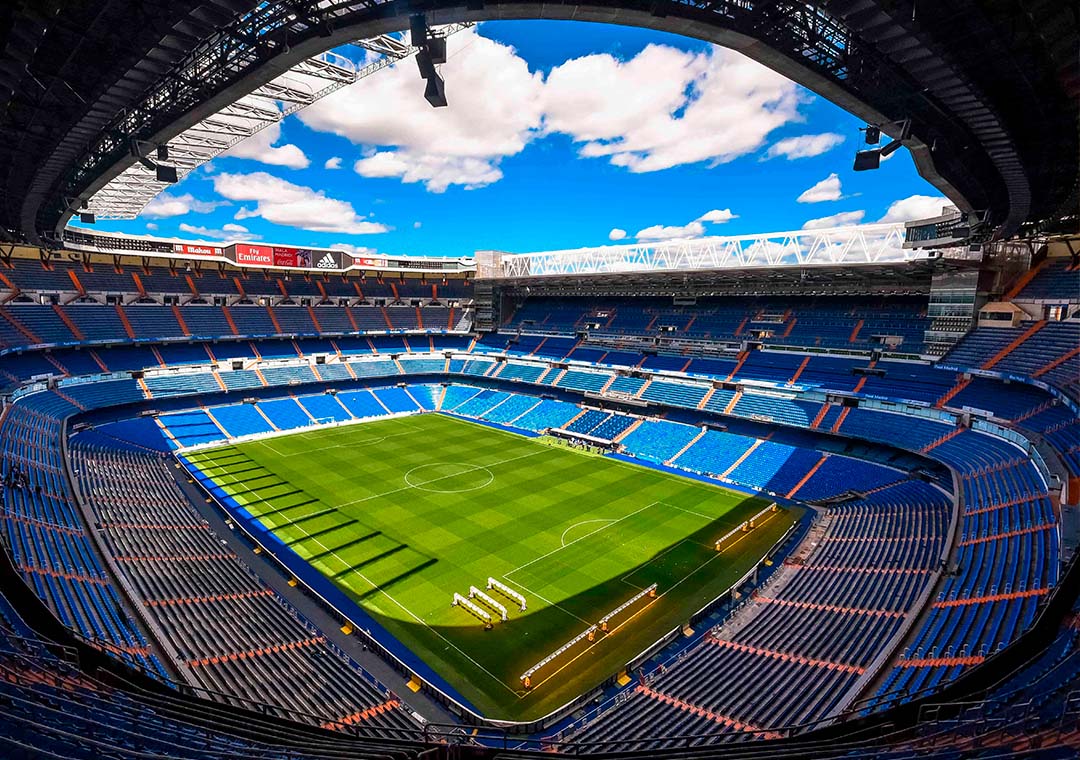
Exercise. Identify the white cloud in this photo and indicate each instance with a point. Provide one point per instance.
(417, 225)
(660, 109)
(495, 108)
(842, 219)
(660, 232)
(285, 203)
(151, 226)
(166, 205)
(826, 190)
(436, 172)
(804, 146)
(666, 107)
(718, 216)
(915, 207)
(616, 234)
(260, 147)
(355, 250)
(227, 232)
(333, 163)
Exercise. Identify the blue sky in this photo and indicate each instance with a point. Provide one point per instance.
(558, 135)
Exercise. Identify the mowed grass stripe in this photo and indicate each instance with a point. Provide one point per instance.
(402, 513)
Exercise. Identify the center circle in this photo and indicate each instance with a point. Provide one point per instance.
(449, 477)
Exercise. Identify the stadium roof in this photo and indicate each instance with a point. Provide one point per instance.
(991, 88)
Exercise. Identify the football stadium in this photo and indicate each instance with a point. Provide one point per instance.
(526, 489)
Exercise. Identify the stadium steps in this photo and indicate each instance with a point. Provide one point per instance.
(219, 381)
(581, 413)
(413, 398)
(52, 360)
(947, 437)
(731, 404)
(840, 419)
(855, 330)
(124, 322)
(684, 449)
(742, 357)
(261, 412)
(274, 321)
(992, 361)
(742, 458)
(705, 399)
(1024, 279)
(142, 385)
(633, 426)
(18, 325)
(990, 598)
(799, 371)
(218, 425)
(952, 392)
(809, 474)
(180, 321)
(1057, 362)
(693, 709)
(157, 355)
(641, 390)
(819, 416)
(778, 655)
(315, 319)
(66, 319)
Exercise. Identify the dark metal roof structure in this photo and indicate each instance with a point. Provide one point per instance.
(991, 86)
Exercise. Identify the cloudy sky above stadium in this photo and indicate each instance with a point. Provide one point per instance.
(558, 135)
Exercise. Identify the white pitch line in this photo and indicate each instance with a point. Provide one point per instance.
(562, 538)
(593, 533)
(469, 468)
(405, 609)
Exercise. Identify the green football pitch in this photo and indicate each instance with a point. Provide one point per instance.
(403, 513)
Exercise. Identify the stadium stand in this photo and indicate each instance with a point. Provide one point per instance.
(873, 575)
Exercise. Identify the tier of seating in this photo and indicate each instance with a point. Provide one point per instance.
(46, 538)
(1049, 351)
(809, 634)
(24, 324)
(54, 709)
(60, 276)
(1056, 280)
(200, 426)
(833, 322)
(1008, 542)
(226, 630)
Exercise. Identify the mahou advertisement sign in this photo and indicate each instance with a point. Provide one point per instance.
(252, 255)
(196, 250)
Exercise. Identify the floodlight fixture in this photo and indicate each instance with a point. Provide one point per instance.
(435, 92)
(87, 217)
(866, 160)
(872, 133)
(166, 174)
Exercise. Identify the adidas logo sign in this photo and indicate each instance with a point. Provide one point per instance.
(327, 262)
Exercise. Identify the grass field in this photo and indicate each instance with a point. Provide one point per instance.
(402, 513)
